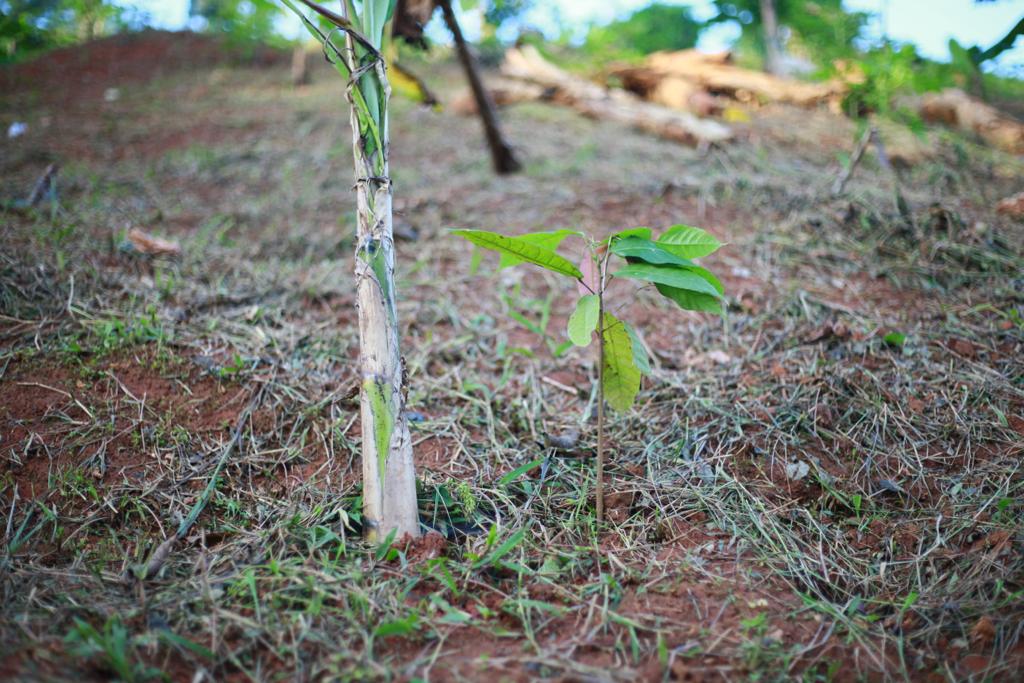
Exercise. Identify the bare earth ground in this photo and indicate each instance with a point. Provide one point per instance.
(796, 495)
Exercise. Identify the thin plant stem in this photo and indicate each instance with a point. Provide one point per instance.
(599, 487)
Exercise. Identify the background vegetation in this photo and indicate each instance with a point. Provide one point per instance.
(822, 40)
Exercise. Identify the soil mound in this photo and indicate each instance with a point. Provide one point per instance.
(120, 60)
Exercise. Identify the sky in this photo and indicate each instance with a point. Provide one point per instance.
(929, 24)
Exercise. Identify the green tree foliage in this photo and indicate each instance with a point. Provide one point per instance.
(93, 18)
(242, 21)
(30, 26)
(26, 25)
(887, 71)
(821, 29)
(655, 27)
(891, 70)
(497, 12)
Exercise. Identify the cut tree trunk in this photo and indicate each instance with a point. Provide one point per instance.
(502, 157)
(300, 66)
(594, 101)
(772, 48)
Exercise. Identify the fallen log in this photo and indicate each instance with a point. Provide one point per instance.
(671, 91)
(594, 101)
(672, 78)
(955, 108)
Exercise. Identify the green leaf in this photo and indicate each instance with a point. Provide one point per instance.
(538, 605)
(680, 278)
(621, 374)
(518, 472)
(560, 350)
(640, 359)
(526, 322)
(583, 320)
(547, 240)
(196, 648)
(709, 276)
(688, 242)
(691, 301)
(523, 250)
(455, 616)
(643, 233)
(504, 549)
(646, 250)
(696, 301)
(398, 627)
(896, 339)
(384, 549)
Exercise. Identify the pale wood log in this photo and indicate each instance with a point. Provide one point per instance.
(715, 74)
(594, 101)
(955, 108)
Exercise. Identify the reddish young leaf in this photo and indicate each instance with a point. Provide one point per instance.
(591, 278)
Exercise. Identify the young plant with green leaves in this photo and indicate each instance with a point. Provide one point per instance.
(665, 262)
(389, 479)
